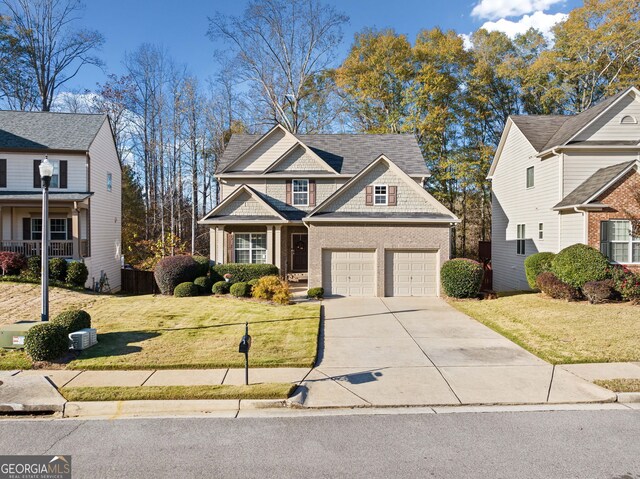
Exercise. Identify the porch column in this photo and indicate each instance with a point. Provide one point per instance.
(75, 232)
(212, 244)
(220, 244)
(270, 245)
(278, 247)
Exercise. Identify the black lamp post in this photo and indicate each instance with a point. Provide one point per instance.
(46, 172)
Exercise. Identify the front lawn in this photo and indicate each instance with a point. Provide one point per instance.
(561, 332)
(620, 385)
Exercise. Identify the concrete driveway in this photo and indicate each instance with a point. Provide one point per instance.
(421, 351)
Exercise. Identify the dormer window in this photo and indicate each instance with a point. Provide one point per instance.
(628, 120)
(380, 195)
(300, 192)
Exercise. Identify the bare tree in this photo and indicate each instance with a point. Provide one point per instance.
(281, 46)
(54, 51)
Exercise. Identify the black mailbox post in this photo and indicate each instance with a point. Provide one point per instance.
(245, 345)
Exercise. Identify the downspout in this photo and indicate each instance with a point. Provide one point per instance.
(585, 227)
(560, 192)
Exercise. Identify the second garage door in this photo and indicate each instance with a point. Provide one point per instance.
(349, 273)
(411, 273)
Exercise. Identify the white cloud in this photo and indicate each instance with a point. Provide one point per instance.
(466, 38)
(538, 20)
(495, 9)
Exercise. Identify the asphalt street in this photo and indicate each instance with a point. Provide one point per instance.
(552, 444)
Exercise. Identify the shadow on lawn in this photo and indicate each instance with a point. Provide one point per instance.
(214, 326)
(117, 344)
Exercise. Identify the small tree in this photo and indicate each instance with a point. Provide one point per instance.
(10, 261)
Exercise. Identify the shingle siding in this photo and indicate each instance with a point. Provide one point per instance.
(245, 205)
(264, 154)
(300, 160)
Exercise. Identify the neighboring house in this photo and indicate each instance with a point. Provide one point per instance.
(349, 212)
(561, 180)
(85, 196)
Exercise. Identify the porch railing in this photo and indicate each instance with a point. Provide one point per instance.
(57, 249)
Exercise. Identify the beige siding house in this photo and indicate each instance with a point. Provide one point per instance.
(561, 180)
(346, 212)
(85, 192)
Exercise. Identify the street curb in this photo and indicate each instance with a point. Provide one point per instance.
(628, 397)
(117, 409)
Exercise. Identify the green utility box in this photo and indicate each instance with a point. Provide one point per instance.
(12, 335)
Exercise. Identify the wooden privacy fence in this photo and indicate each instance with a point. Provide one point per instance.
(135, 281)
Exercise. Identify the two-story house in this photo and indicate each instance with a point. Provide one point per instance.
(561, 180)
(85, 192)
(348, 212)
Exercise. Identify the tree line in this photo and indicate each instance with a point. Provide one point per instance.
(277, 62)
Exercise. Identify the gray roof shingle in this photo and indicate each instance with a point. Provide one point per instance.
(347, 154)
(599, 180)
(53, 196)
(29, 130)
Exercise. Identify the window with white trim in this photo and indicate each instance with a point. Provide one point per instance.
(55, 178)
(520, 240)
(250, 248)
(618, 243)
(531, 178)
(300, 192)
(380, 195)
(57, 229)
(109, 181)
(541, 231)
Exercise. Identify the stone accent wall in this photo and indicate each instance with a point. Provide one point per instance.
(624, 205)
(340, 236)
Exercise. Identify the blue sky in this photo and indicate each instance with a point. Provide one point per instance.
(180, 26)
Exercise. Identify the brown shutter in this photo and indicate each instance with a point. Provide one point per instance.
(230, 252)
(37, 183)
(288, 193)
(3, 173)
(63, 174)
(26, 229)
(312, 192)
(393, 196)
(369, 196)
(69, 229)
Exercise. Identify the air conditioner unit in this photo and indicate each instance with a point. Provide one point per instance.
(83, 339)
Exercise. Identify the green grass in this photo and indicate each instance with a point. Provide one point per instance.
(14, 359)
(163, 332)
(561, 332)
(254, 391)
(620, 385)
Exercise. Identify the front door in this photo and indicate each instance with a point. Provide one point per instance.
(300, 254)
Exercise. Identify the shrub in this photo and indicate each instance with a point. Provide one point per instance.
(203, 265)
(579, 264)
(186, 290)
(173, 270)
(73, 320)
(57, 269)
(11, 263)
(272, 288)
(535, 265)
(552, 286)
(253, 282)
(244, 272)
(77, 273)
(34, 267)
(462, 278)
(214, 275)
(598, 291)
(240, 290)
(315, 293)
(221, 287)
(204, 283)
(46, 341)
(625, 283)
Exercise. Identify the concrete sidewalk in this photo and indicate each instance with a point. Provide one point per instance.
(421, 351)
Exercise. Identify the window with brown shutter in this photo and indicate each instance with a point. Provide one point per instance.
(312, 192)
(63, 173)
(369, 195)
(288, 192)
(393, 196)
(3, 173)
(37, 182)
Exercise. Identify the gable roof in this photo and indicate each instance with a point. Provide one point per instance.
(326, 168)
(442, 214)
(213, 216)
(346, 153)
(31, 131)
(539, 129)
(595, 185)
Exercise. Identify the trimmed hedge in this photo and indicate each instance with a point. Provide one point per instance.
(579, 264)
(552, 286)
(77, 273)
(244, 272)
(203, 265)
(58, 269)
(204, 283)
(34, 267)
(240, 290)
(272, 288)
(73, 320)
(46, 341)
(461, 278)
(315, 293)
(535, 265)
(173, 270)
(221, 287)
(598, 291)
(186, 290)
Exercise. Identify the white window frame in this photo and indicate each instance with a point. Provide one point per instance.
(531, 169)
(521, 248)
(55, 178)
(541, 231)
(251, 249)
(606, 246)
(109, 181)
(304, 192)
(384, 196)
(36, 233)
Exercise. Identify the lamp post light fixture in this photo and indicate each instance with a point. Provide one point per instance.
(46, 172)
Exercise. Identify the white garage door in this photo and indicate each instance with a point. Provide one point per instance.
(411, 273)
(349, 273)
